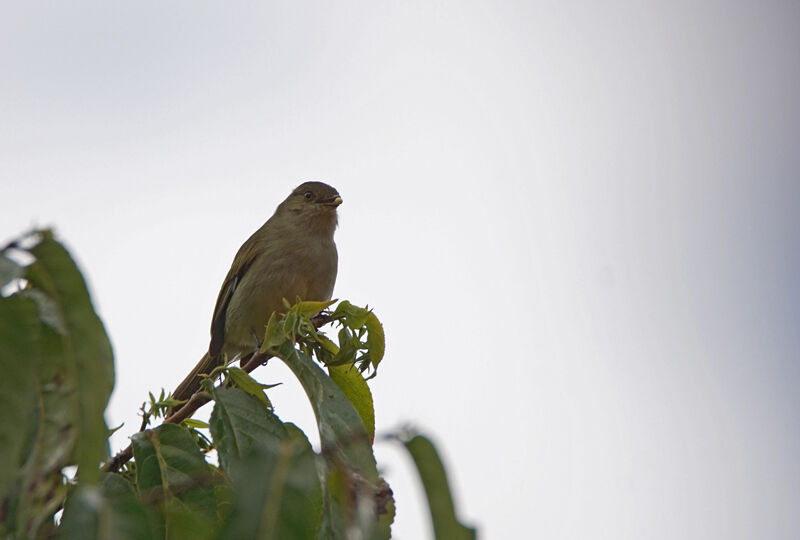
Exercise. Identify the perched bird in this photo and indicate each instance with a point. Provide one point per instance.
(291, 256)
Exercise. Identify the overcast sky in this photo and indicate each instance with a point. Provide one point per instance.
(578, 223)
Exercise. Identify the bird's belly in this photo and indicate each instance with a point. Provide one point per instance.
(261, 295)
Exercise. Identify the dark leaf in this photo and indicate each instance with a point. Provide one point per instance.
(278, 492)
(49, 311)
(108, 511)
(437, 490)
(171, 472)
(19, 340)
(86, 348)
(347, 448)
(239, 422)
(9, 270)
(243, 380)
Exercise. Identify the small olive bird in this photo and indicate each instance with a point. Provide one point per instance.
(291, 256)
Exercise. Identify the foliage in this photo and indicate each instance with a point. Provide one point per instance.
(437, 490)
(58, 373)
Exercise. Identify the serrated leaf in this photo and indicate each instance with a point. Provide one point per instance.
(183, 522)
(355, 388)
(348, 348)
(340, 426)
(437, 490)
(355, 316)
(170, 468)
(274, 334)
(308, 309)
(243, 380)
(286, 501)
(346, 444)
(238, 422)
(110, 510)
(376, 341)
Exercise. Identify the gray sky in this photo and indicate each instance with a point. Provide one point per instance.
(578, 223)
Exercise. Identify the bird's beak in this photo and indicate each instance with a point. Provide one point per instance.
(332, 201)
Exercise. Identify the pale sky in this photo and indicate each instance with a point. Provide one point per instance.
(578, 223)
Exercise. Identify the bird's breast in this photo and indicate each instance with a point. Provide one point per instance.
(304, 270)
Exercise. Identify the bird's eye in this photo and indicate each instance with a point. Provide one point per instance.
(308, 195)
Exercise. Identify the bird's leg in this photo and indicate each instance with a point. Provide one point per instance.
(245, 359)
(255, 338)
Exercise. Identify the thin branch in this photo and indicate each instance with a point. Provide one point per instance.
(198, 399)
(256, 359)
(120, 459)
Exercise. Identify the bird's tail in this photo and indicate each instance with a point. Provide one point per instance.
(191, 383)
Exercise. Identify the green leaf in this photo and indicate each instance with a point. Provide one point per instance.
(110, 510)
(243, 380)
(70, 358)
(376, 341)
(327, 344)
(341, 429)
(308, 309)
(355, 388)
(274, 334)
(184, 522)
(9, 270)
(239, 422)
(347, 447)
(58, 408)
(53, 423)
(290, 324)
(196, 424)
(348, 348)
(171, 471)
(19, 340)
(85, 346)
(341, 518)
(49, 311)
(223, 491)
(286, 501)
(437, 490)
(354, 316)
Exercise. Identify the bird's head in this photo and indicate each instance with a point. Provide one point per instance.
(314, 203)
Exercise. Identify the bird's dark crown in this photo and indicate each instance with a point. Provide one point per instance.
(319, 191)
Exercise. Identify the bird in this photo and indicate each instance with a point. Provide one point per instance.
(292, 255)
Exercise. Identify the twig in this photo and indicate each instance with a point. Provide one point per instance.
(256, 359)
(198, 399)
(120, 459)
